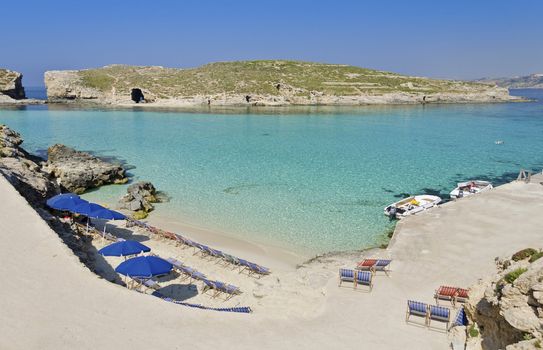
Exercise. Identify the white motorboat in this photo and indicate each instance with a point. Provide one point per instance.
(464, 189)
(411, 206)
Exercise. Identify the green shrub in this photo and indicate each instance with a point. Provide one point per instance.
(513, 275)
(473, 331)
(535, 256)
(523, 254)
(527, 336)
(537, 344)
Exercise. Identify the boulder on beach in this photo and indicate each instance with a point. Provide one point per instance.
(78, 171)
(22, 170)
(139, 198)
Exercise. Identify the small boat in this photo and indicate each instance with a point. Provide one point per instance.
(464, 189)
(498, 142)
(411, 205)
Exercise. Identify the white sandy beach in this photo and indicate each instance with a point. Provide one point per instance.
(51, 301)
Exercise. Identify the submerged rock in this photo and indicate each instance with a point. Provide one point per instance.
(22, 171)
(139, 198)
(78, 171)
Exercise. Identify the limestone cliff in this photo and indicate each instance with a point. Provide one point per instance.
(11, 85)
(260, 83)
(508, 308)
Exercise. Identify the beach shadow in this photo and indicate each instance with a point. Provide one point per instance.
(410, 322)
(180, 291)
(103, 269)
(120, 232)
(173, 275)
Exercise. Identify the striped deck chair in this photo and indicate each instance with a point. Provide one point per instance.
(416, 308)
(147, 283)
(178, 265)
(382, 265)
(364, 278)
(366, 264)
(169, 235)
(462, 296)
(228, 289)
(439, 313)
(228, 259)
(445, 293)
(461, 318)
(346, 275)
(252, 268)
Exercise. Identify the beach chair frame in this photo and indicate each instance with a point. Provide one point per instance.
(439, 313)
(417, 308)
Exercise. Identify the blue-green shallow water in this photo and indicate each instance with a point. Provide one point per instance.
(309, 181)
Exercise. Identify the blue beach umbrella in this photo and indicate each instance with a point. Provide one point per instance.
(65, 201)
(124, 248)
(144, 267)
(96, 211)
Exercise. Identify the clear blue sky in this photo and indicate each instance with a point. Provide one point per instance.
(449, 39)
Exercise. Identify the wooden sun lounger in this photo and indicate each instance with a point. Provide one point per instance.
(374, 265)
(439, 313)
(416, 308)
(429, 312)
(452, 294)
(356, 277)
(148, 283)
(219, 288)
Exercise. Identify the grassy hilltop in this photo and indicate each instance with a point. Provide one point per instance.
(265, 77)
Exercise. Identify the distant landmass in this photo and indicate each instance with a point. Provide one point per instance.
(259, 83)
(532, 81)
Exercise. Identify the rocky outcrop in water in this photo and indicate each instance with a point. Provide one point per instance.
(11, 85)
(259, 83)
(22, 170)
(507, 309)
(78, 171)
(139, 198)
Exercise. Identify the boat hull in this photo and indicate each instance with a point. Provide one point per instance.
(411, 206)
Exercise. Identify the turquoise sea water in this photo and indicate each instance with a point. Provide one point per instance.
(311, 180)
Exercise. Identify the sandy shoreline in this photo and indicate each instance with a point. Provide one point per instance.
(299, 308)
(268, 254)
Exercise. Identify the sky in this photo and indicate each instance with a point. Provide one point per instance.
(454, 39)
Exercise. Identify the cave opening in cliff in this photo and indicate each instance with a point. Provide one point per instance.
(137, 95)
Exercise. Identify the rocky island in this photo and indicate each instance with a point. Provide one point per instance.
(259, 83)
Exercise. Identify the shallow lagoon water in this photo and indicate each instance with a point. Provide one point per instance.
(308, 179)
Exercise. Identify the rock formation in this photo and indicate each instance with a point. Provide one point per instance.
(139, 198)
(260, 83)
(78, 171)
(508, 308)
(22, 170)
(11, 85)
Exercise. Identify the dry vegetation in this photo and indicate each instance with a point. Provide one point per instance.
(269, 77)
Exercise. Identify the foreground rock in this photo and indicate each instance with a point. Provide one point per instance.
(508, 307)
(260, 83)
(78, 171)
(139, 199)
(22, 170)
